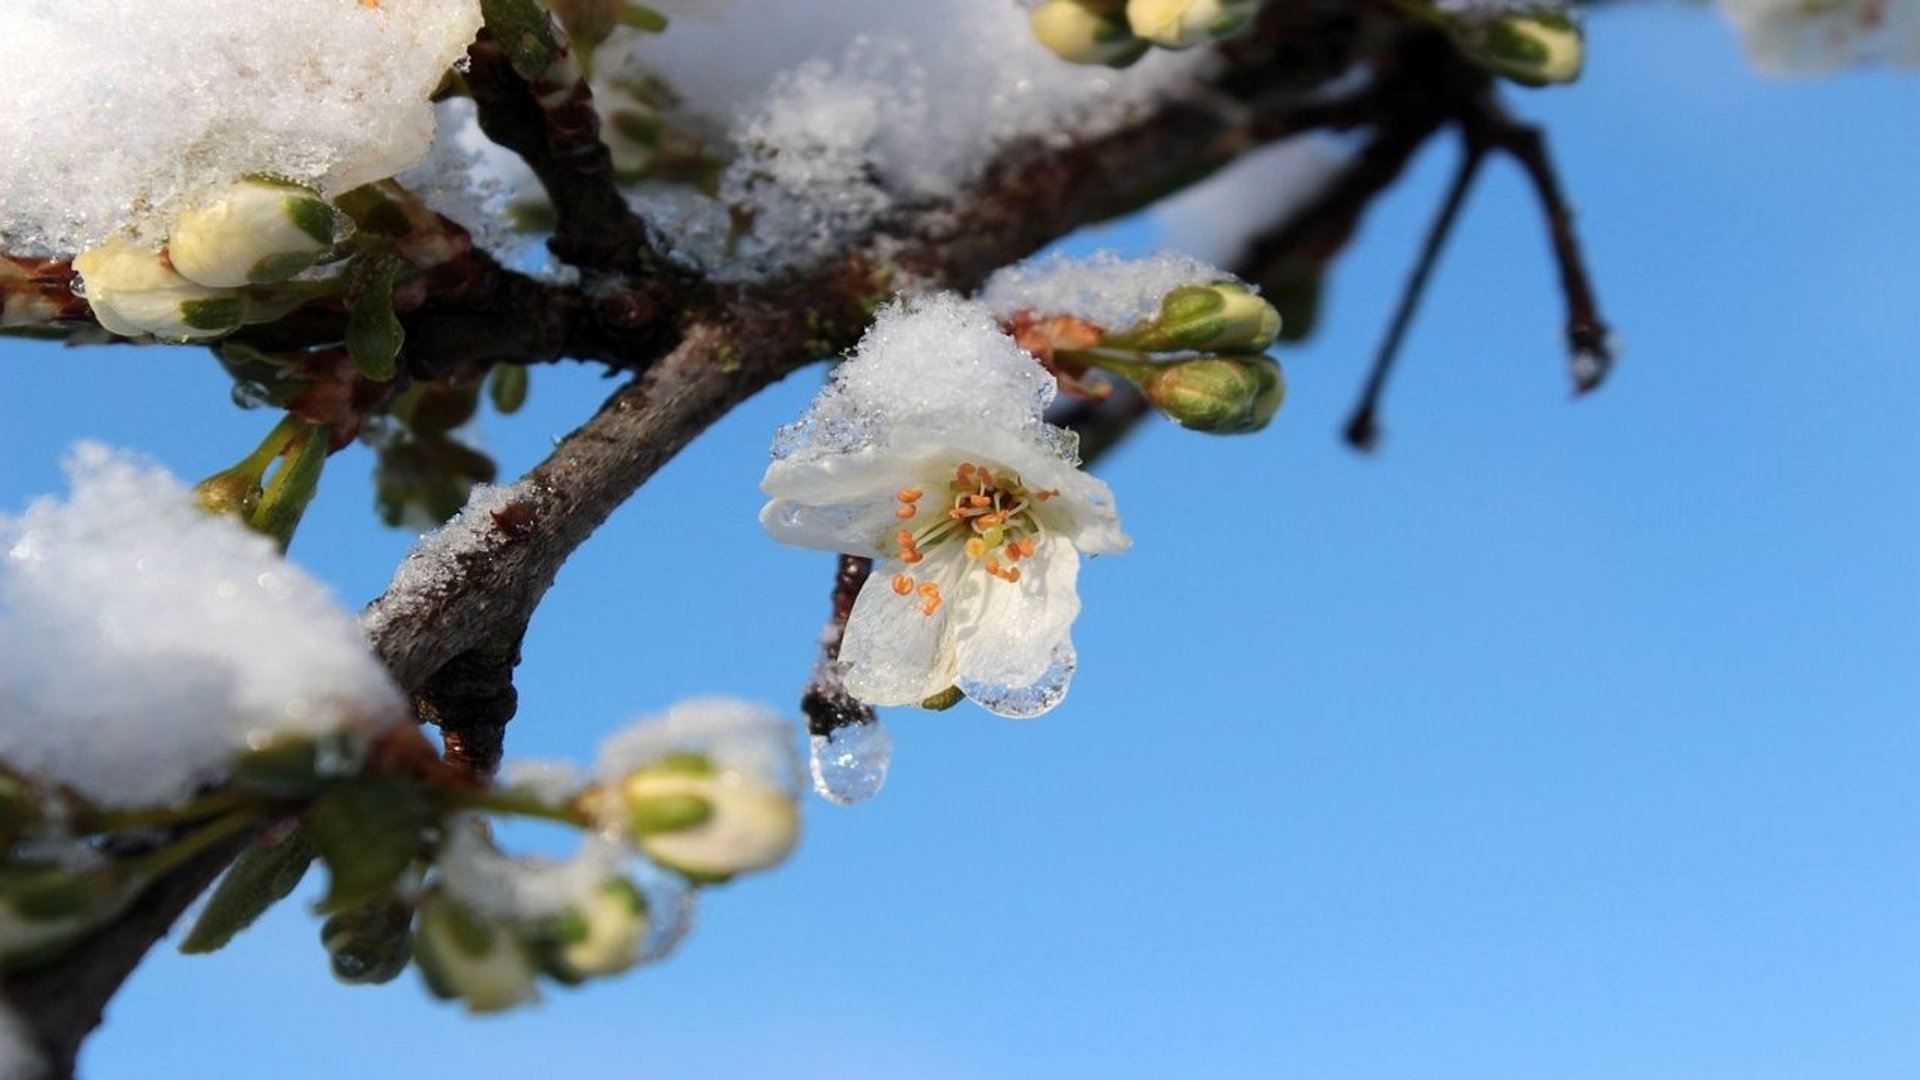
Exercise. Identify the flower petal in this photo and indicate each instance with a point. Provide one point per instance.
(835, 502)
(893, 653)
(1008, 631)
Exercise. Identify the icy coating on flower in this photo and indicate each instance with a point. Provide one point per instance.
(119, 113)
(1809, 37)
(1106, 289)
(145, 642)
(929, 454)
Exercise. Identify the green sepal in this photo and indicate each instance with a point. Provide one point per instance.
(525, 31)
(261, 877)
(374, 333)
(368, 831)
(668, 814)
(219, 313)
(313, 217)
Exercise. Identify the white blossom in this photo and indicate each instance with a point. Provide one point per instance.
(133, 291)
(928, 454)
(1802, 37)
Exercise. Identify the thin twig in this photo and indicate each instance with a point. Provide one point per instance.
(1588, 337)
(1363, 430)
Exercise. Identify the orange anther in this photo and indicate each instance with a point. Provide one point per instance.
(1026, 545)
(1043, 496)
(904, 512)
(993, 567)
(928, 588)
(911, 557)
(902, 584)
(1012, 574)
(907, 495)
(1012, 551)
(979, 500)
(932, 605)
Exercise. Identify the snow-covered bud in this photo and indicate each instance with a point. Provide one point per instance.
(45, 906)
(467, 956)
(705, 822)
(1223, 317)
(1535, 48)
(1182, 24)
(370, 943)
(1219, 394)
(133, 291)
(1086, 33)
(253, 232)
(600, 935)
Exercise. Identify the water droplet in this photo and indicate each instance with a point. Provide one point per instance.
(1022, 702)
(850, 765)
(249, 394)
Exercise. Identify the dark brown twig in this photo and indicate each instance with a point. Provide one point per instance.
(1362, 430)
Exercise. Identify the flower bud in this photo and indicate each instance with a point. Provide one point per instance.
(705, 823)
(133, 291)
(1219, 394)
(463, 955)
(252, 232)
(1182, 24)
(370, 944)
(1223, 317)
(1532, 48)
(235, 491)
(601, 935)
(1074, 30)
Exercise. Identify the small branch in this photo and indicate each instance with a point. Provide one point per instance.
(1588, 336)
(552, 124)
(1363, 431)
(826, 703)
(38, 292)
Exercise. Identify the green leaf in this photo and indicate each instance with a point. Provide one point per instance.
(260, 878)
(525, 31)
(368, 831)
(374, 333)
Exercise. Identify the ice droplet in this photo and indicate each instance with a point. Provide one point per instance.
(850, 765)
(1022, 702)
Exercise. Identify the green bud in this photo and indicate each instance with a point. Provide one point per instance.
(601, 935)
(1218, 394)
(1081, 32)
(708, 824)
(1533, 48)
(134, 291)
(1225, 316)
(255, 231)
(370, 943)
(465, 956)
(1182, 24)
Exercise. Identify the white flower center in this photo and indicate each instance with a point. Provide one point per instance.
(988, 513)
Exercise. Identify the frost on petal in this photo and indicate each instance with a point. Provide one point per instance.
(1033, 699)
(144, 642)
(1011, 629)
(158, 100)
(841, 502)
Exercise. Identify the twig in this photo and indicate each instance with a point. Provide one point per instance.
(1362, 430)
(826, 703)
(1588, 337)
(551, 123)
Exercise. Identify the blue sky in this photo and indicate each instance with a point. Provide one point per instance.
(1558, 740)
